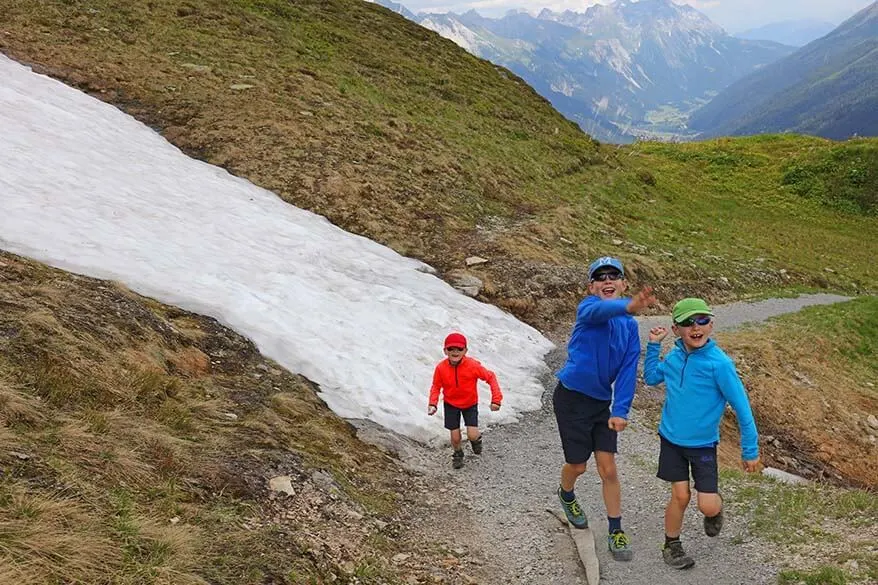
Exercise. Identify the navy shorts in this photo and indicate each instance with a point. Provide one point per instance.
(452, 416)
(675, 463)
(582, 424)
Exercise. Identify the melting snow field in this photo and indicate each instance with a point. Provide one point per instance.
(87, 188)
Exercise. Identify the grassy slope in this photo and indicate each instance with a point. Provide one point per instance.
(828, 358)
(397, 134)
(824, 88)
(138, 441)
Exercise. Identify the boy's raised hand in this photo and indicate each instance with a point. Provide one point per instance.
(641, 300)
(751, 466)
(657, 334)
(431, 410)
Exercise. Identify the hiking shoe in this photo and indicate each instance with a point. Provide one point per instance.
(476, 446)
(675, 556)
(713, 524)
(457, 459)
(620, 546)
(573, 511)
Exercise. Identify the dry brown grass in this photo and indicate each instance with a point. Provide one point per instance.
(121, 464)
(52, 539)
(811, 399)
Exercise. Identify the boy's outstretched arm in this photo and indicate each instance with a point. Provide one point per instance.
(626, 381)
(594, 311)
(491, 378)
(733, 389)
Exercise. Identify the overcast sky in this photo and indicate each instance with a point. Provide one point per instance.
(733, 15)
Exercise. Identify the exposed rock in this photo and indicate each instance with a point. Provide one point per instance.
(465, 282)
(281, 483)
(323, 480)
(197, 68)
(872, 421)
(240, 86)
(476, 260)
(784, 476)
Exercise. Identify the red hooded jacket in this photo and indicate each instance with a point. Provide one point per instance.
(458, 383)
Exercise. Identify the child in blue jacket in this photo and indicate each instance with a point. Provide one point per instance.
(594, 392)
(699, 380)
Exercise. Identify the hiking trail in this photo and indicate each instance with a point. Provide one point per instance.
(494, 514)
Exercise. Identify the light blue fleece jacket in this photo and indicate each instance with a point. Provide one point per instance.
(697, 386)
(603, 352)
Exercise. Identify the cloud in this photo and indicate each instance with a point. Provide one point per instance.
(701, 4)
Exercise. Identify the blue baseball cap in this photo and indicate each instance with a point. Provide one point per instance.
(604, 262)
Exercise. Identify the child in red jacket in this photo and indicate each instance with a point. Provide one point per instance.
(457, 377)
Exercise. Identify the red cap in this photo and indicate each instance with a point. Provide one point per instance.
(455, 340)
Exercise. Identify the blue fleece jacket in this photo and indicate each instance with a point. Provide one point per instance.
(697, 386)
(603, 352)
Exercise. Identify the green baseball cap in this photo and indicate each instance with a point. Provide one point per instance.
(688, 307)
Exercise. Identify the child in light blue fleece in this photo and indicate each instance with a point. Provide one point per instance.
(700, 379)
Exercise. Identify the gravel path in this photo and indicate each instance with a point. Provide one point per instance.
(505, 493)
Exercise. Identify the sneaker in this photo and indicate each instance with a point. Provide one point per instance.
(477, 446)
(713, 524)
(457, 459)
(573, 511)
(620, 546)
(675, 556)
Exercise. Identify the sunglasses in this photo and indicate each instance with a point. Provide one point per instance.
(702, 321)
(604, 276)
(455, 348)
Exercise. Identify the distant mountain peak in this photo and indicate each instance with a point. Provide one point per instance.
(827, 88)
(614, 68)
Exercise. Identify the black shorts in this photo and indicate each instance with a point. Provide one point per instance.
(453, 414)
(675, 462)
(582, 424)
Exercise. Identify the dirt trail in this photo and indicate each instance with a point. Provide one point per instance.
(502, 498)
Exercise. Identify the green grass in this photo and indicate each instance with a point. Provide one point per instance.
(821, 576)
(852, 326)
(801, 519)
(844, 177)
(788, 514)
(721, 208)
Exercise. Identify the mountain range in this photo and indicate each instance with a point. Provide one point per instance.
(827, 88)
(621, 71)
(796, 33)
